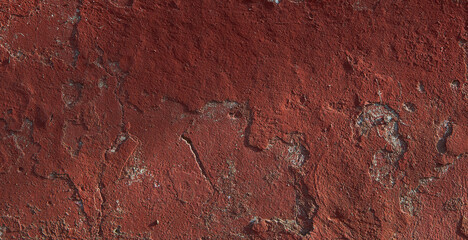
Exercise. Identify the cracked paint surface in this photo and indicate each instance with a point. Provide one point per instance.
(133, 119)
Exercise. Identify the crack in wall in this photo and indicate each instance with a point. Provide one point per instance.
(112, 69)
(464, 45)
(121, 138)
(195, 154)
(74, 38)
(76, 194)
(103, 201)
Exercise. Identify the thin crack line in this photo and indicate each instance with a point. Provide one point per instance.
(103, 198)
(202, 168)
(66, 177)
(74, 38)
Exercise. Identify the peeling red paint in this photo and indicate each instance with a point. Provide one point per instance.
(132, 119)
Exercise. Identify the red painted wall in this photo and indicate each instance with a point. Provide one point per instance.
(297, 119)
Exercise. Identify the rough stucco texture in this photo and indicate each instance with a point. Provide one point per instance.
(247, 119)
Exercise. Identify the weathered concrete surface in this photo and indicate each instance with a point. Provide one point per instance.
(254, 119)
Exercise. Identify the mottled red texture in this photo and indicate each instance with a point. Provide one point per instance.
(133, 119)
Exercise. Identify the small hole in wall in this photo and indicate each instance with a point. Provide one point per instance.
(236, 114)
(303, 100)
(410, 107)
(442, 146)
(455, 84)
(421, 88)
